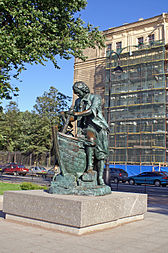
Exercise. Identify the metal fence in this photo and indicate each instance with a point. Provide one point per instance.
(43, 159)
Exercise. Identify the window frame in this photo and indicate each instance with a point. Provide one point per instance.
(118, 45)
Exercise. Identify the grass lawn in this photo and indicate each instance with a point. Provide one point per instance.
(22, 186)
(8, 187)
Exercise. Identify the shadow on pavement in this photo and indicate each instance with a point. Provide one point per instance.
(158, 204)
(158, 209)
(2, 214)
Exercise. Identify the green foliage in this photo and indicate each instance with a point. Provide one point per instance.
(9, 187)
(34, 31)
(38, 138)
(50, 104)
(10, 127)
(30, 132)
(32, 186)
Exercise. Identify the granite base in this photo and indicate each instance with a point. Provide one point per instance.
(74, 214)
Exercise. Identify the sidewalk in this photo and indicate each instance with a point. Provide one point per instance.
(147, 236)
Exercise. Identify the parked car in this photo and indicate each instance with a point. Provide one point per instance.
(50, 173)
(154, 178)
(117, 175)
(15, 169)
(37, 171)
(1, 169)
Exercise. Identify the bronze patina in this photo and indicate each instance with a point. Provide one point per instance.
(81, 158)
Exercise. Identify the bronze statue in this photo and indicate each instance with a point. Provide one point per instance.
(81, 158)
(91, 124)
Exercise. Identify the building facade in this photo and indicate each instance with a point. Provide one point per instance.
(135, 94)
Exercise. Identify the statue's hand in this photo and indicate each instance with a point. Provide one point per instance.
(70, 112)
(65, 114)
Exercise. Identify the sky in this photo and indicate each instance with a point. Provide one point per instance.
(103, 13)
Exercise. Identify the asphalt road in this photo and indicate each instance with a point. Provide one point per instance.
(149, 189)
(20, 179)
(125, 187)
(156, 195)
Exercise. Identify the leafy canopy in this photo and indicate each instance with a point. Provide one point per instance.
(50, 104)
(30, 132)
(34, 31)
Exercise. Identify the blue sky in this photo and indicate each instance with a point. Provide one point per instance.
(103, 13)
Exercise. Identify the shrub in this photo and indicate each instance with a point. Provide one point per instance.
(32, 186)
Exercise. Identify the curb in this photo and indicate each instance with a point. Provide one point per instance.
(1, 199)
(1, 202)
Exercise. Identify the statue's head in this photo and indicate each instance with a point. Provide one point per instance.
(80, 88)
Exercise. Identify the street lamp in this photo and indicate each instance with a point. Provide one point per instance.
(116, 70)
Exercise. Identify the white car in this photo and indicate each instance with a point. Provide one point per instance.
(37, 171)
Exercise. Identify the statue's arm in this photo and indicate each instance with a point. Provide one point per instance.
(95, 103)
(83, 113)
(65, 115)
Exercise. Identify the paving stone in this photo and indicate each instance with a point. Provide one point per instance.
(136, 237)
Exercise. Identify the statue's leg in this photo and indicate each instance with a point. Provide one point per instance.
(89, 154)
(90, 150)
(100, 172)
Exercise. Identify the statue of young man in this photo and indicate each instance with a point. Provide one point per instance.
(91, 124)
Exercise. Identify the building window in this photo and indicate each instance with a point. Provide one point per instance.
(140, 41)
(151, 38)
(118, 46)
(108, 49)
(109, 46)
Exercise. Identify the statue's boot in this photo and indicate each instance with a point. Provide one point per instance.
(100, 172)
(89, 152)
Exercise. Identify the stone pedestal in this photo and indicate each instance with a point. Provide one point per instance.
(87, 185)
(74, 214)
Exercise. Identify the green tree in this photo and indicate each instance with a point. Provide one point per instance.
(26, 125)
(50, 104)
(10, 128)
(30, 132)
(46, 114)
(36, 134)
(34, 31)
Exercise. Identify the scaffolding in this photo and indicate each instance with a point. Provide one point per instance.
(136, 105)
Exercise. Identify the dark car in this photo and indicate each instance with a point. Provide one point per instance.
(117, 175)
(154, 178)
(50, 173)
(15, 169)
